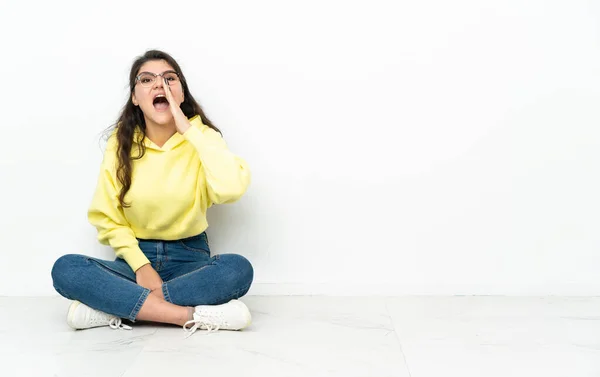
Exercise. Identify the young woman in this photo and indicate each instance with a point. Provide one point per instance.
(165, 164)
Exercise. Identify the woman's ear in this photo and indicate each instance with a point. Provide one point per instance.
(135, 102)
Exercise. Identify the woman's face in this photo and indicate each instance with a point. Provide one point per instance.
(149, 91)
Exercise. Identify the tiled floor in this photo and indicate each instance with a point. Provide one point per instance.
(320, 336)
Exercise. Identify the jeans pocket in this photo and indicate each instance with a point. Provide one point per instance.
(197, 243)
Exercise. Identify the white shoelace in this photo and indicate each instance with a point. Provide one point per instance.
(209, 323)
(115, 323)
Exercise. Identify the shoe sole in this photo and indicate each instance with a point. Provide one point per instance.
(71, 314)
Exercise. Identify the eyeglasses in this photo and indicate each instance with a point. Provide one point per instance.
(147, 79)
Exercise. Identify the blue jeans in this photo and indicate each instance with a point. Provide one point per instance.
(190, 277)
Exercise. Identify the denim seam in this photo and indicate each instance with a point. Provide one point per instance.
(108, 269)
(166, 293)
(194, 249)
(157, 256)
(139, 304)
(189, 273)
(200, 269)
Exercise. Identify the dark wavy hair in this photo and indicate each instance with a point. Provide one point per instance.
(132, 118)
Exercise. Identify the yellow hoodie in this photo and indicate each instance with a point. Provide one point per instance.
(171, 188)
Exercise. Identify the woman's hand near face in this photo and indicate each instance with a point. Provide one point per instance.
(181, 121)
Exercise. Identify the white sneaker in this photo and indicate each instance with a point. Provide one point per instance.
(81, 316)
(233, 315)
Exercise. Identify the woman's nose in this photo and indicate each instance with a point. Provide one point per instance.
(158, 82)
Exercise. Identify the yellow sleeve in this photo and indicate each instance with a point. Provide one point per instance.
(227, 175)
(106, 214)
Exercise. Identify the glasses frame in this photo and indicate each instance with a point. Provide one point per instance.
(155, 75)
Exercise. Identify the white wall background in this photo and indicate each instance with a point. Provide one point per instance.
(397, 147)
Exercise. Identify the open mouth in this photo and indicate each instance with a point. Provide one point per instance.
(160, 103)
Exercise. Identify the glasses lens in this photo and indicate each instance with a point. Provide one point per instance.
(146, 79)
(171, 78)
